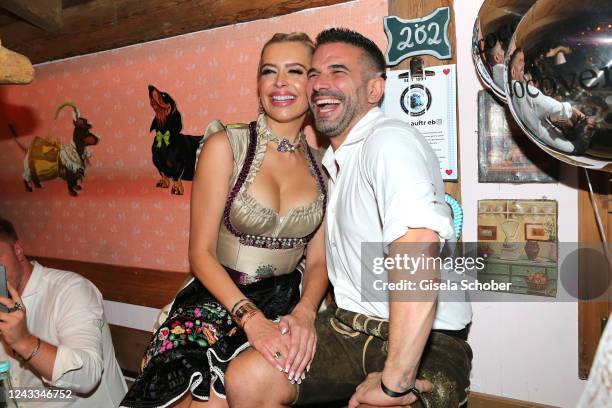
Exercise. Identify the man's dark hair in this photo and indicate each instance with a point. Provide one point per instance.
(7, 231)
(490, 53)
(346, 36)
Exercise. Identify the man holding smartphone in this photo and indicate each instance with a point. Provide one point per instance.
(55, 334)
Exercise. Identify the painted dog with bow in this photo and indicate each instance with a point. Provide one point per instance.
(174, 154)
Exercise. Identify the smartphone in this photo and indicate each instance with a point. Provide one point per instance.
(3, 289)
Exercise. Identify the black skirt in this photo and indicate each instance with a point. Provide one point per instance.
(193, 347)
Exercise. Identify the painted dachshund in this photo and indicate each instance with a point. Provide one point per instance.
(174, 154)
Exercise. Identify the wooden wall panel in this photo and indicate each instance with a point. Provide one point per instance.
(419, 8)
(591, 314)
(136, 286)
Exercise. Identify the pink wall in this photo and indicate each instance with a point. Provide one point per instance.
(120, 217)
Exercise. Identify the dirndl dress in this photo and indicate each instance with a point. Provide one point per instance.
(193, 347)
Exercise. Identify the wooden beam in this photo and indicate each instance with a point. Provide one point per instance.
(591, 278)
(45, 14)
(14, 68)
(102, 24)
(125, 284)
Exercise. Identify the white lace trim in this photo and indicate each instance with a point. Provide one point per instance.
(70, 158)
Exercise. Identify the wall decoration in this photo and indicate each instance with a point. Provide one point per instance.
(524, 252)
(120, 217)
(428, 102)
(418, 36)
(487, 233)
(174, 154)
(492, 32)
(47, 158)
(558, 80)
(505, 154)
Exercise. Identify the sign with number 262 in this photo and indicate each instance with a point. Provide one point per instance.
(425, 35)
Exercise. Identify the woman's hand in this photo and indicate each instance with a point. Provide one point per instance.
(265, 336)
(303, 341)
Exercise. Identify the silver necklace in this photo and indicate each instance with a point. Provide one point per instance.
(284, 145)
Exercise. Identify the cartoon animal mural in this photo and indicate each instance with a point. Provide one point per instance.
(174, 154)
(47, 159)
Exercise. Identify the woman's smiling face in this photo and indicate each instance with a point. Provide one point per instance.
(282, 80)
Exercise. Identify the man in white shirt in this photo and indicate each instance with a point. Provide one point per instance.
(495, 58)
(55, 335)
(384, 189)
(537, 111)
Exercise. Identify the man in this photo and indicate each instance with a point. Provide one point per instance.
(495, 58)
(55, 334)
(538, 110)
(384, 187)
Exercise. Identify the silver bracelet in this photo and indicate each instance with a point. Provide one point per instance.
(35, 351)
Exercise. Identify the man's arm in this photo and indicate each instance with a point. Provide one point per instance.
(77, 362)
(411, 315)
(404, 175)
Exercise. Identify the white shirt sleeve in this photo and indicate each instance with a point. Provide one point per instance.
(547, 107)
(402, 173)
(79, 321)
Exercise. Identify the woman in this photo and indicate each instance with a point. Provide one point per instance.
(257, 203)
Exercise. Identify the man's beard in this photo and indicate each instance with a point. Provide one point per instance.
(335, 127)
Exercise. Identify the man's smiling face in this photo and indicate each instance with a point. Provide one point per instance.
(337, 88)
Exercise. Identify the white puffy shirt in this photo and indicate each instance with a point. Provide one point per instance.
(383, 179)
(65, 310)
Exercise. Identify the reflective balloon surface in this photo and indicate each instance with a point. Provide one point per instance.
(493, 29)
(558, 79)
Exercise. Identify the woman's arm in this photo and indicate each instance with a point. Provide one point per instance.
(300, 323)
(208, 197)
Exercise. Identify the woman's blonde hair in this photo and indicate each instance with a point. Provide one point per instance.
(297, 37)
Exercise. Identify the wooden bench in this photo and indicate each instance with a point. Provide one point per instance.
(156, 288)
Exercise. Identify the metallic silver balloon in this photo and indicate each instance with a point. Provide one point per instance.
(558, 79)
(493, 29)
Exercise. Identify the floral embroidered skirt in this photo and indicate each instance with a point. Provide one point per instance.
(192, 349)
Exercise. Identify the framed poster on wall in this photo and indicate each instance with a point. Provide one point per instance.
(505, 154)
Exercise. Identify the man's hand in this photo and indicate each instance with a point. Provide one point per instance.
(302, 341)
(369, 392)
(13, 325)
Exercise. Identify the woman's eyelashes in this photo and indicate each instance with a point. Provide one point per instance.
(293, 71)
(267, 71)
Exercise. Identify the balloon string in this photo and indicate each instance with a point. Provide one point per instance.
(602, 232)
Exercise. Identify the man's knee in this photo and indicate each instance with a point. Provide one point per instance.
(250, 377)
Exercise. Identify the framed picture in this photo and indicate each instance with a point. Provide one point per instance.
(505, 154)
(487, 233)
(518, 239)
(536, 232)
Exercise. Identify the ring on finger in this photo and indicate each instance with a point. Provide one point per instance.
(277, 355)
(16, 306)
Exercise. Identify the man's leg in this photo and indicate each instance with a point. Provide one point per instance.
(446, 363)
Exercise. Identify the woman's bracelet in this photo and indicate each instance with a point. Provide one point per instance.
(248, 317)
(244, 312)
(236, 304)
